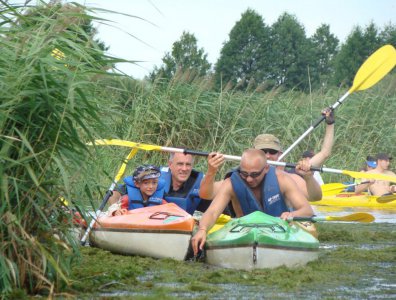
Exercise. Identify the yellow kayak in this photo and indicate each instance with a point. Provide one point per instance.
(358, 200)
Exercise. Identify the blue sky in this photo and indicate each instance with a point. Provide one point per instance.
(211, 21)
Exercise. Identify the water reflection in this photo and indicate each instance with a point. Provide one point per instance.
(381, 215)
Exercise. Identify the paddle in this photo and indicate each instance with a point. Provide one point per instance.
(148, 147)
(109, 193)
(329, 189)
(356, 217)
(386, 199)
(380, 63)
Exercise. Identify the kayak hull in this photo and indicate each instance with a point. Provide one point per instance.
(356, 200)
(259, 241)
(162, 231)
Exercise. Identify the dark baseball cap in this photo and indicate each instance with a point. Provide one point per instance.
(146, 172)
(308, 153)
(383, 156)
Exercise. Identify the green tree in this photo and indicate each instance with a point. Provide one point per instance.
(184, 58)
(245, 57)
(292, 50)
(325, 49)
(388, 35)
(359, 45)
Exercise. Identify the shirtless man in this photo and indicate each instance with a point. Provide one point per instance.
(379, 187)
(254, 186)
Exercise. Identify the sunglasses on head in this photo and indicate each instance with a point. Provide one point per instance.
(270, 151)
(245, 175)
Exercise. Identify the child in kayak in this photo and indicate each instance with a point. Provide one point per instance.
(141, 189)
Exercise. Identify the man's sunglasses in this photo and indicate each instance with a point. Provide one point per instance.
(270, 151)
(245, 175)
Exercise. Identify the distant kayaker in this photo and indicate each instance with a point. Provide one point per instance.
(140, 190)
(304, 178)
(254, 186)
(379, 187)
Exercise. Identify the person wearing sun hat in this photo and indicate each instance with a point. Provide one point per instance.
(303, 177)
(379, 187)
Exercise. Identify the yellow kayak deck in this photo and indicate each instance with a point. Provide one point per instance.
(358, 200)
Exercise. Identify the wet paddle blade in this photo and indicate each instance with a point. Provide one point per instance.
(329, 189)
(369, 175)
(356, 217)
(380, 63)
(116, 142)
(386, 199)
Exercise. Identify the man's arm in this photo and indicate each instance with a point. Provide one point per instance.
(319, 158)
(114, 198)
(209, 218)
(309, 184)
(209, 186)
(294, 198)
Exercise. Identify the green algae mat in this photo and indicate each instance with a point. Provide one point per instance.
(356, 261)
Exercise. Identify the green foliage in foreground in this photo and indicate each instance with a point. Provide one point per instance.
(47, 112)
(352, 266)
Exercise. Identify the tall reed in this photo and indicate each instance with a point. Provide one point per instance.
(191, 115)
(49, 67)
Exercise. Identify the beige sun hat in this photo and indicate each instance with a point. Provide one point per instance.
(267, 141)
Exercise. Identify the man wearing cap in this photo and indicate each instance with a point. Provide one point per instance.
(305, 180)
(379, 187)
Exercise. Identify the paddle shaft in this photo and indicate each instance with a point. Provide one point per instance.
(374, 68)
(108, 194)
(106, 198)
(355, 217)
(313, 126)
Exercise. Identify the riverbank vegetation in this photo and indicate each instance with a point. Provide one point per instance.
(58, 94)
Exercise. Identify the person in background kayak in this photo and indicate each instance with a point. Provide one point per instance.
(182, 182)
(379, 187)
(369, 164)
(141, 190)
(304, 178)
(254, 186)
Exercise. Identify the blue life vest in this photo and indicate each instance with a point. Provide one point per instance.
(135, 199)
(272, 201)
(191, 200)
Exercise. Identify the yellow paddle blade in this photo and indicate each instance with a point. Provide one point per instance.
(386, 199)
(380, 63)
(220, 222)
(329, 189)
(116, 142)
(357, 217)
(369, 175)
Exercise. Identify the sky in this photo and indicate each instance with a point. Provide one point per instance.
(159, 23)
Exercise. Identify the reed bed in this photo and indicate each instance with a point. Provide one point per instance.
(51, 106)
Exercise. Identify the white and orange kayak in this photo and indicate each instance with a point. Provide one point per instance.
(162, 231)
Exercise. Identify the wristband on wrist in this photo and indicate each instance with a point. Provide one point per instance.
(330, 122)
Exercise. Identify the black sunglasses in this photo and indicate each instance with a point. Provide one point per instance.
(245, 175)
(270, 151)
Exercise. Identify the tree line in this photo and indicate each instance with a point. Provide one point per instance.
(258, 56)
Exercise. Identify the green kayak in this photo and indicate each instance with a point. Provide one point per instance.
(259, 241)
